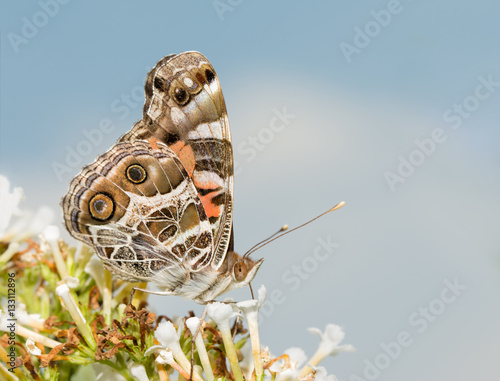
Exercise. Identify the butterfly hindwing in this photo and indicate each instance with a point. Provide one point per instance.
(138, 207)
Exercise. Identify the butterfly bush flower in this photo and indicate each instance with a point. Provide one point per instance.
(222, 313)
(322, 375)
(26, 223)
(9, 202)
(165, 357)
(329, 346)
(51, 235)
(195, 327)
(25, 332)
(247, 363)
(106, 373)
(250, 309)
(139, 372)
(67, 300)
(32, 348)
(31, 320)
(169, 338)
(102, 279)
(8, 208)
(30, 223)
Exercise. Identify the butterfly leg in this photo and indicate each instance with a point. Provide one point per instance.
(164, 293)
(251, 289)
(194, 335)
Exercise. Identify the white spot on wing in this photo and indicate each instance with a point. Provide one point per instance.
(207, 131)
(207, 179)
(177, 116)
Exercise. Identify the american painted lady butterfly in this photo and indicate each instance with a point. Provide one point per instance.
(158, 205)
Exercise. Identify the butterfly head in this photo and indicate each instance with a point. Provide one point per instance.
(242, 269)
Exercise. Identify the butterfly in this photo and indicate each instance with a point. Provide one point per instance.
(158, 205)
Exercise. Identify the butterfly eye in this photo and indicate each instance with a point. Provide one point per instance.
(136, 174)
(181, 96)
(101, 207)
(209, 74)
(240, 271)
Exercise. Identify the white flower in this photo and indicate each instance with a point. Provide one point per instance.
(221, 313)
(288, 371)
(51, 233)
(106, 373)
(8, 203)
(168, 337)
(287, 375)
(331, 339)
(165, 356)
(138, 371)
(252, 306)
(297, 357)
(7, 325)
(43, 217)
(247, 364)
(32, 348)
(250, 309)
(95, 268)
(322, 375)
(329, 346)
(32, 320)
(71, 281)
(67, 301)
(194, 325)
(30, 224)
(4, 320)
(50, 236)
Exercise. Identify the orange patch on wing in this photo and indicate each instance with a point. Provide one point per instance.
(186, 155)
(211, 209)
(152, 143)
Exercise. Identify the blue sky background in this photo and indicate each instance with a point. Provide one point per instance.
(353, 122)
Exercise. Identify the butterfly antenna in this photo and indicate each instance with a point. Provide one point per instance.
(273, 238)
(283, 228)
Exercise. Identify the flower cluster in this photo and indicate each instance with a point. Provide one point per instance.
(73, 321)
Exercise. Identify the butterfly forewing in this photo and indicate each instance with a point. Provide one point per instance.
(185, 108)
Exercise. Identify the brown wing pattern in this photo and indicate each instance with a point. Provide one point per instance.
(138, 207)
(185, 109)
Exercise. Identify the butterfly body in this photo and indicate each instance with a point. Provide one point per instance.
(157, 206)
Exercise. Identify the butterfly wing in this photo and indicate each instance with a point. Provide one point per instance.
(138, 207)
(185, 109)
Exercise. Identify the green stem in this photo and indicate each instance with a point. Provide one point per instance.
(227, 338)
